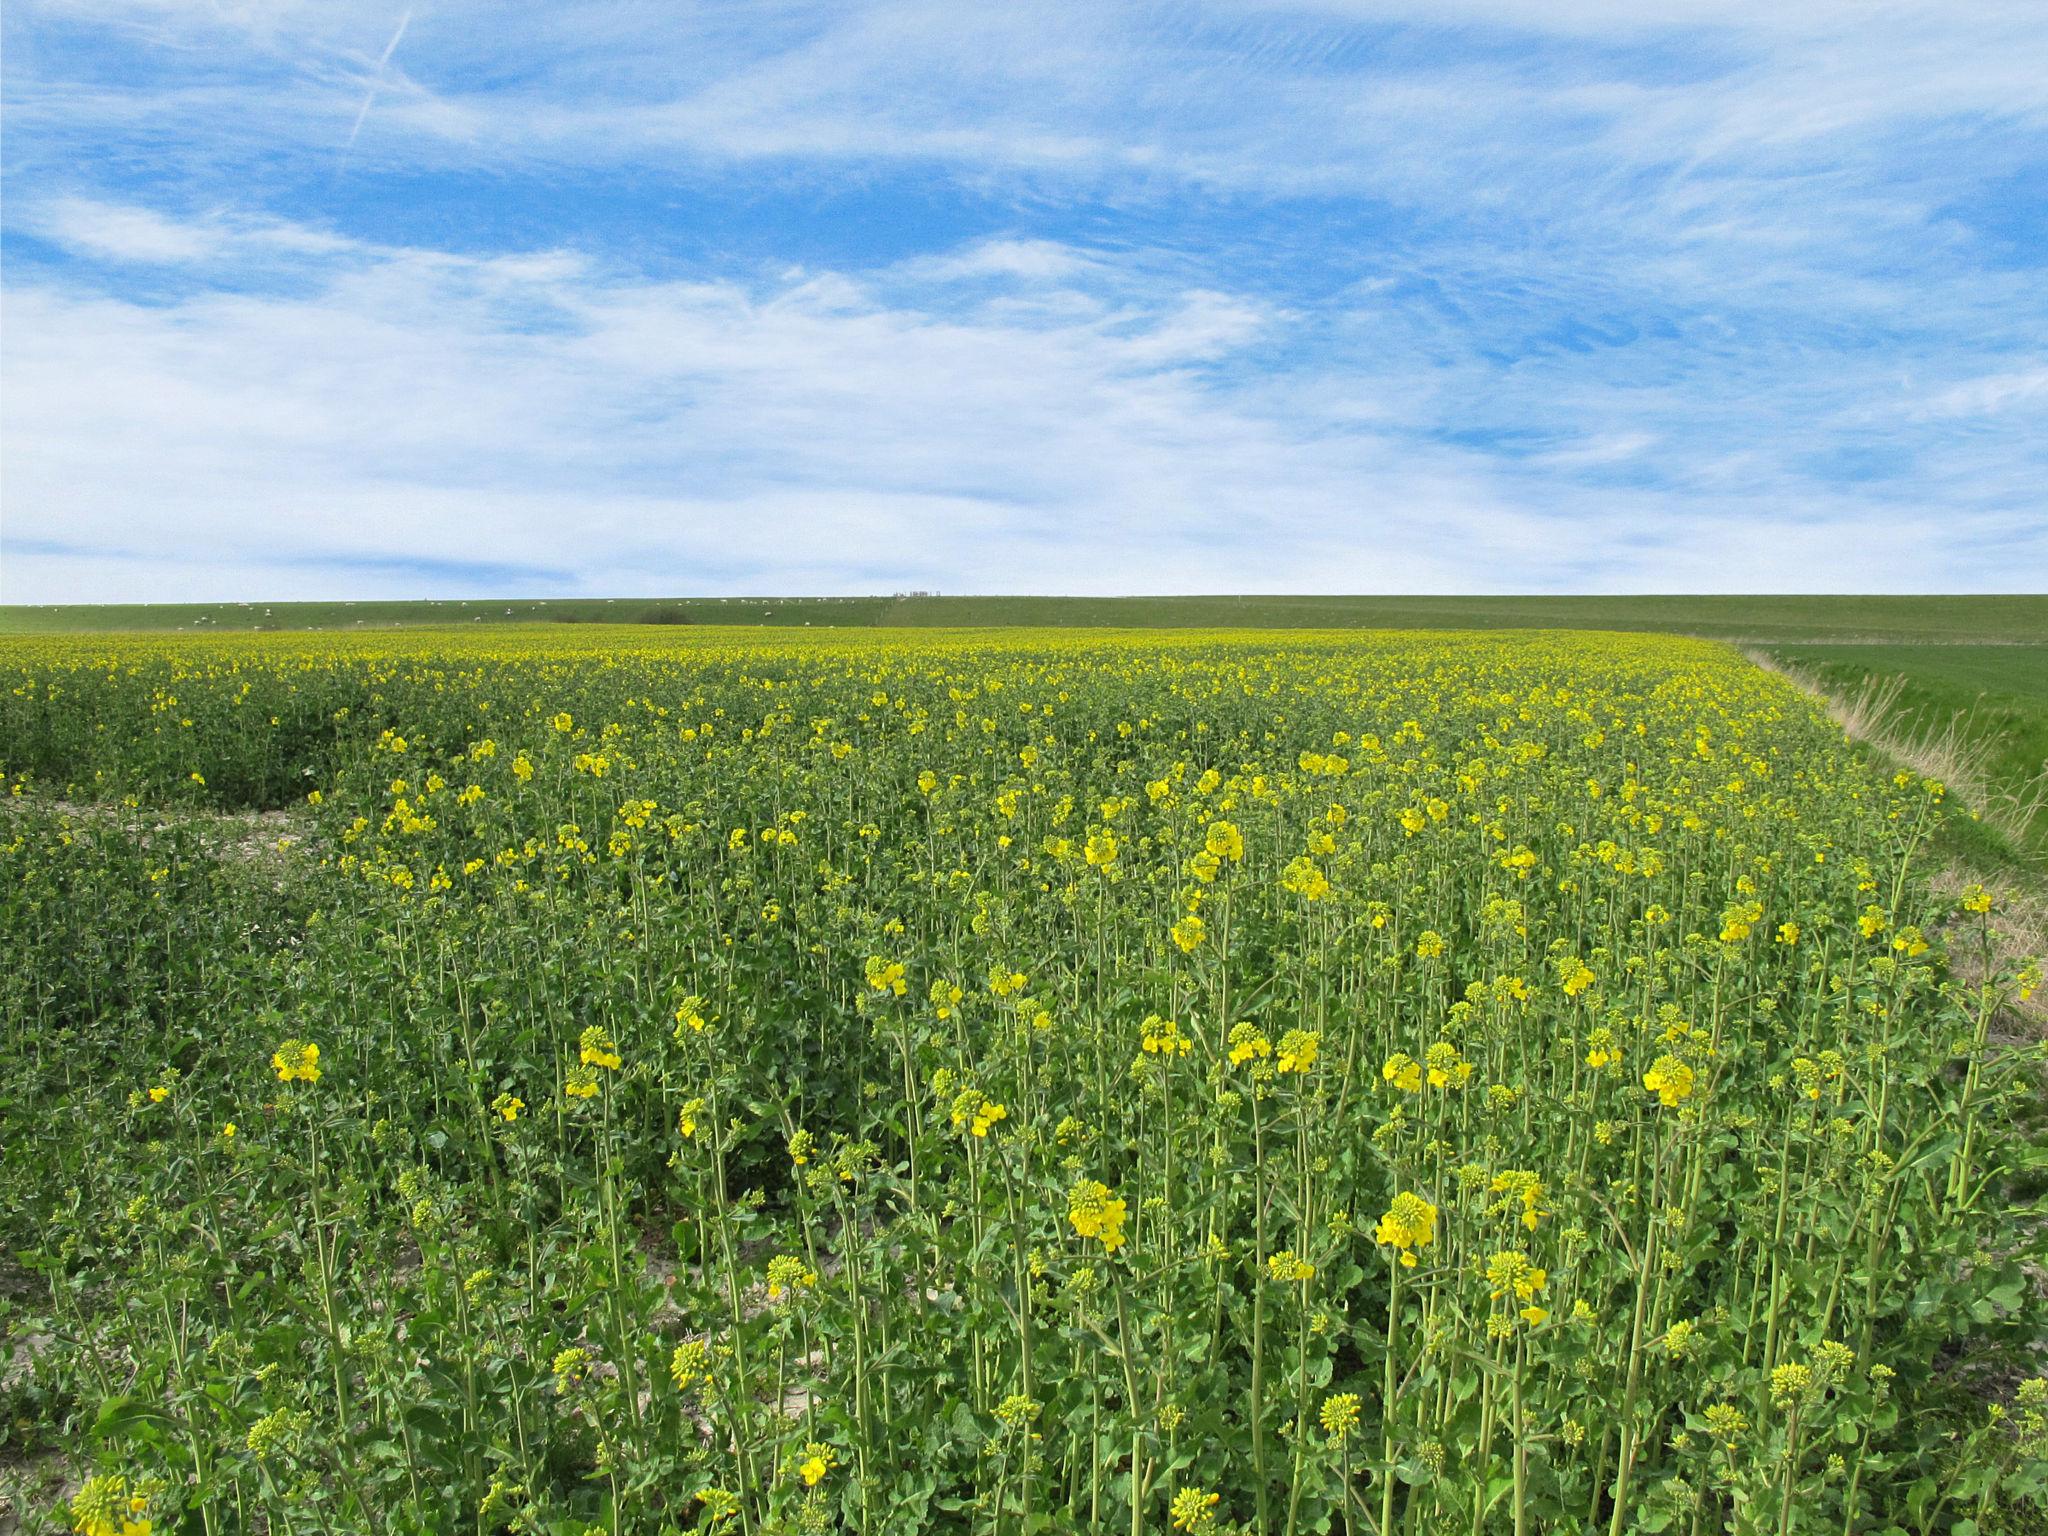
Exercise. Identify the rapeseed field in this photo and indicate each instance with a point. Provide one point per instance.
(1008, 1082)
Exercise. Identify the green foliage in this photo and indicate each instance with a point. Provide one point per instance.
(1015, 1083)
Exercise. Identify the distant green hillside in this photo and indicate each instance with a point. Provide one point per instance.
(1780, 620)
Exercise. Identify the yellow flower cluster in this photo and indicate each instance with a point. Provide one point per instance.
(1095, 1212)
(106, 1506)
(297, 1061)
(1671, 1079)
(1408, 1227)
(1512, 1276)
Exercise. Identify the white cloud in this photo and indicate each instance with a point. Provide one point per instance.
(1992, 394)
(396, 421)
(1606, 291)
(1029, 261)
(1613, 448)
(124, 233)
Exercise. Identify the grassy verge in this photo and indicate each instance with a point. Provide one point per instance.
(1974, 715)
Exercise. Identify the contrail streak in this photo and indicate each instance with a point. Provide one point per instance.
(377, 80)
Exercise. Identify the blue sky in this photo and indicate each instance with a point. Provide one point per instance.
(330, 298)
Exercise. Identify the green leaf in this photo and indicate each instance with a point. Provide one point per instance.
(119, 1416)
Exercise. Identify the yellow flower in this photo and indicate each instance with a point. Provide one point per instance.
(1224, 842)
(1298, 1049)
(1305, 879)
(1096, 1213)
(1408, 1226)
(1018, 1411)
(887, 975)
(686, 1121)
(507, 1107)
(1789, 1384)
(817, 1460)
(1512, 1273)
(1287, 1269)
(1247, 1044)
(971, 1107)
(1194, 1510)
(1162, 1037)
(1738, 919)
(720, 1504)
(1447, 1068)
(105, 1507)
(787, 1273)
(1519, 1187)
(1339, 1414)
(1403, 1071)
(1670, 1079)
(987, 1116)
(1725, 1422)
(690, 1364)
(297, 1061)
(581, 1083)
(1188, 933)
(597, 1049)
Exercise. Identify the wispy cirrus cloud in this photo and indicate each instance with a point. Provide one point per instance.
(1995, 393)
(1481, 295)
(114, 232)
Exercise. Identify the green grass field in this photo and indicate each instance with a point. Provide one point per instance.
(1983, 705)
(1760, 620)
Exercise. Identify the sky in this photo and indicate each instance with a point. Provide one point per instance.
(308, 299)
